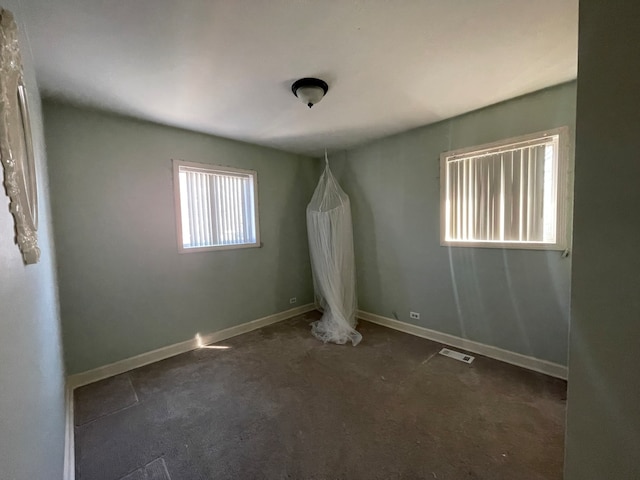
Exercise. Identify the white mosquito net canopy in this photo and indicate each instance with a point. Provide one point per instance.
(334, 273)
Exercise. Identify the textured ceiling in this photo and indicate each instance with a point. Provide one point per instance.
(225, 67)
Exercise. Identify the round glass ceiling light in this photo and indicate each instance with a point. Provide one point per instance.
(310, 90)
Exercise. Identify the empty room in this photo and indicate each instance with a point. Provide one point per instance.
(319, 240)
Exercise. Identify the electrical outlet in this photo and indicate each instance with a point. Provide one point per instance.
(293, 300)
(414, 315)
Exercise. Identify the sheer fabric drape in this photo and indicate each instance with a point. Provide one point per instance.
(332, 260)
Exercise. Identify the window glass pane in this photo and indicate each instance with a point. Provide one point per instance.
(505, 194)
(217, 207)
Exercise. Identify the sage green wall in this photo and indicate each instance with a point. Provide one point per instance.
(517, 300)
(124, 288)
(603, 410)
(32, 414)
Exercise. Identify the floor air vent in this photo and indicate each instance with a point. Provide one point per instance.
(463, 357)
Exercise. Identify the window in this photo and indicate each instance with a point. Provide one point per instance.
(508, 194)
(216, 207)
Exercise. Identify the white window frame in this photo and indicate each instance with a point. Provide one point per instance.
(564, 201)
(209, 168)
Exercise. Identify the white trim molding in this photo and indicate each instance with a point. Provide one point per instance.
(69, 472)
(122, 366)
(248, 204)
(524, 361)
(555, 186)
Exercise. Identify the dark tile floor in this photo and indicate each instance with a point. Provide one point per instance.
(276, 404)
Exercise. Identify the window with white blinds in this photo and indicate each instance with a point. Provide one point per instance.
(510, 194)
(216, 207)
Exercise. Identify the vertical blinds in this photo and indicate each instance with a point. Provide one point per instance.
(217, 208)
(505, 195)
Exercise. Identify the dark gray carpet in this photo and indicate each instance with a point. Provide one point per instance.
(278, 404)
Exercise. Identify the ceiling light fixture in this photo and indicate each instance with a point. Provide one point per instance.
(310, 90)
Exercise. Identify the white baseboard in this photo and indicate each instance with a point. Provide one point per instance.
(100, 373)
(524, 361)
(69, 472)
(121, 366)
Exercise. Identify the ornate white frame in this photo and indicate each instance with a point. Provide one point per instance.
(16, 145)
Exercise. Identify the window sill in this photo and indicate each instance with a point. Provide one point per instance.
(218, 247)
(505, 245)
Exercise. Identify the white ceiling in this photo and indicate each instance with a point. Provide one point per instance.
(226, 66)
